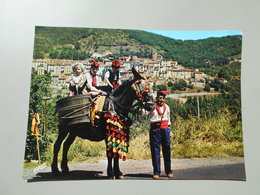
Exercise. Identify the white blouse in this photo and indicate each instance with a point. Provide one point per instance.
(77, 80)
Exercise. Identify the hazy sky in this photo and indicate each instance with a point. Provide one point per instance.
(194, 35)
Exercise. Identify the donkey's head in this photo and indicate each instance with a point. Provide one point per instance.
(143, 90)
(138, 89)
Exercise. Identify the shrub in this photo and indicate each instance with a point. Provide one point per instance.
(180, 85)
(170, 84)
(161, 87)
(190, 86)
(207, 88)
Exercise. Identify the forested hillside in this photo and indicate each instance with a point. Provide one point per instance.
(79, 43)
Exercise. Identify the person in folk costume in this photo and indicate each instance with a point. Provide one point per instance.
(77, 81)
(160, 135)
(112, 76)
(93, 81)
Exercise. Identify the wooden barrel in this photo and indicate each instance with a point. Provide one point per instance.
(74, 109)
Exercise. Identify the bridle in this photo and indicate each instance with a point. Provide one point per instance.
(139, 93)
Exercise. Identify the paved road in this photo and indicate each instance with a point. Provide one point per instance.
(183, 96)
(179, 95)
(226, 168)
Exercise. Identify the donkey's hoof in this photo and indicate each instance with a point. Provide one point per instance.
(120, 177)
(65, 171)
(55, 171)
(111, 177)
(110, 174)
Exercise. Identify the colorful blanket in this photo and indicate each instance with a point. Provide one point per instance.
(117, 136)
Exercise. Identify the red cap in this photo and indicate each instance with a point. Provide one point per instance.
(95, 63)
(162, 92)
(116, 63)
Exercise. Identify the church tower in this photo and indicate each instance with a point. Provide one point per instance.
(154, 55)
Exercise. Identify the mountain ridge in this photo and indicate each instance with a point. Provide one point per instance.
(80, 43)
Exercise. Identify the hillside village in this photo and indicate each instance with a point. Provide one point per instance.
(158, 69)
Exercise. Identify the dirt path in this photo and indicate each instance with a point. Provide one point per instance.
(225, 168)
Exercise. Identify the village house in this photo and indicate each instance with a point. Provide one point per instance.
(199, 76)
(39, 62)
(125, 58)
(164, 63)
(40, 69)
(174, 64)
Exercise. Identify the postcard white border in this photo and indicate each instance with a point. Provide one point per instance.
(18, 19)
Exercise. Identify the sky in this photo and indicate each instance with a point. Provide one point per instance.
(194, 35)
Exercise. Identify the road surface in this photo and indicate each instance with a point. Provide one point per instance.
(225, 168)
(181, 95)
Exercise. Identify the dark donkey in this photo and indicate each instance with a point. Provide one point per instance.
(121, 99)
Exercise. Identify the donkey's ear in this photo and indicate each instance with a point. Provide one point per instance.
(137, 76)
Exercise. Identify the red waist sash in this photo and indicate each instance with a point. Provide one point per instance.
(161, 124)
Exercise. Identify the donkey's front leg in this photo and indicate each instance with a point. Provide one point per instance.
(110, 172)
(117, 172)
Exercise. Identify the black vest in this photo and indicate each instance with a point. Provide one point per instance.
(113, 76)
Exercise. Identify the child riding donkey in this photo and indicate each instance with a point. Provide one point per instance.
(77, 82)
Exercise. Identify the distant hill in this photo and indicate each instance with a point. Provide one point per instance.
(79, 43)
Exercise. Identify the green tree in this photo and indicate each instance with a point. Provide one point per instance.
(170, 84)
(216, 84)
(39, 89)
(207, 88)
(161, 87)
(180, 85)
(41, 46)
(225, 73)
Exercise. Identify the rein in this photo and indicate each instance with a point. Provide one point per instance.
(138, 94)
(115, 100)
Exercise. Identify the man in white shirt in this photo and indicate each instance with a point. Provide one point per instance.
(93, 79)
(160, 135)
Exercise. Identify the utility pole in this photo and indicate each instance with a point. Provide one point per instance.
(198, 107)
(45, 99)
(45, 121)
(38, 148)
